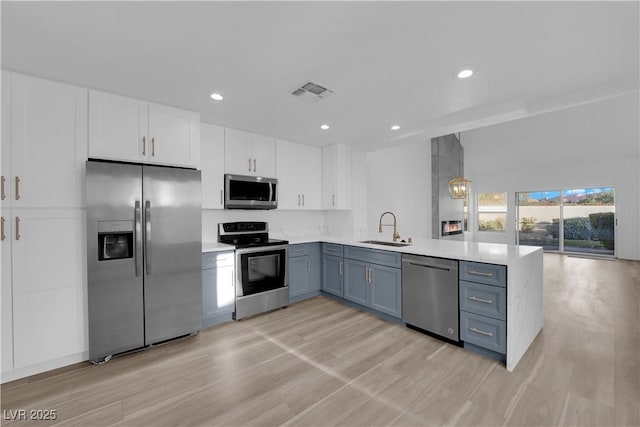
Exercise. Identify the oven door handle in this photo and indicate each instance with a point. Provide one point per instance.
(262, 249)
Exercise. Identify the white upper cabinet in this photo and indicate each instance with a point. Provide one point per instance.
(212, 164)
(5, 184)
(132, 130)
(117, 127)
(175, 136)
(299, 173)
(249, 154)
(336, 177)
(48, 143)
(310, 175)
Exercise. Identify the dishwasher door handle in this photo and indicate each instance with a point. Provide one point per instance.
(435, 267)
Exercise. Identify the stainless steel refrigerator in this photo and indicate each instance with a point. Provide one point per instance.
(144, 248)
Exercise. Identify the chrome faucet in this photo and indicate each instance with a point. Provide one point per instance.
(396, 235)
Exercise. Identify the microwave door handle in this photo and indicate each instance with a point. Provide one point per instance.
(271, 191)
(137, 251)
(147, 236)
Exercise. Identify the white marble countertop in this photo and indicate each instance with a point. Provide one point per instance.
(216, 247)
(492, 253)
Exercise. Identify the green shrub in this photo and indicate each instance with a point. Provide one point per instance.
(553, 228)
(527, 224)
(491, 225)
(577, 229)
(603, 228)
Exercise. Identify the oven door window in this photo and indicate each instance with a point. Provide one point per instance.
(263, 271)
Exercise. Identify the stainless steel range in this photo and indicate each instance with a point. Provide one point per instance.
(261, 267)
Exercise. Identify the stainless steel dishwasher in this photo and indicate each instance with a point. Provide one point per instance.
(430, 295)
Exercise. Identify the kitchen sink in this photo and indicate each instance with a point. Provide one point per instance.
(380, 242)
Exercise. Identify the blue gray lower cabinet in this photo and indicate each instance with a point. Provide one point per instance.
(332, 269)
(370, 284)
(483, 307)
(218, 287)
(304, 271)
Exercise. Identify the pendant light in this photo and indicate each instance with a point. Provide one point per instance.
(459, 186)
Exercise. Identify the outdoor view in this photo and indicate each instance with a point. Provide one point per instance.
(492, 212)
(577, 220)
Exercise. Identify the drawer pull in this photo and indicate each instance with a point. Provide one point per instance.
(484, 301)
(480, 273)
(332, 250)
(478, 331)
(298, 250)
(3, 181)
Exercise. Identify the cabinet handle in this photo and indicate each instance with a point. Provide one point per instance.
(3, 237)
(221, 198)
(478, 331)
(153, 147)
(303, 200)
(333, 200)
(298, 250)
(308, 266)
(3, 181)
(17, 188)
(480, 273)
(341, 268)
(332, 250)
(17, 228)
(298, 200)
(144, 145)
(484, 301)
(254, 165)
(249, 164)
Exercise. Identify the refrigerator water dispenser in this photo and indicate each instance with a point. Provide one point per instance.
(115, 240)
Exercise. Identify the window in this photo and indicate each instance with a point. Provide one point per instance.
(570, 220)
(492, 212)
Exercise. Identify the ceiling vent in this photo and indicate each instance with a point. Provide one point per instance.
(312, 91)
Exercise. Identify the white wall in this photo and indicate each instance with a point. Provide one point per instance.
(591, 145)
(399, 180)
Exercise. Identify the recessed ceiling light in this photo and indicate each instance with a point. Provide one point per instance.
(466, 73)
(395, 127)
(324, 127)
(216, 96)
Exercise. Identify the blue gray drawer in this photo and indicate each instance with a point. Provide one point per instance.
(375, 256)
(217, 259)
(298, 250)
(483, 299)
(332, 249)
(478, 272)
(483, 332)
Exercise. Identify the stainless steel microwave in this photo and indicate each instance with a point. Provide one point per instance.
(250, 192)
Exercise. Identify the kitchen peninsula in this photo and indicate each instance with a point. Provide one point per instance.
(524, 279)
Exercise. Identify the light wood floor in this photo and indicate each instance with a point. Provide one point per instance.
(319, 362)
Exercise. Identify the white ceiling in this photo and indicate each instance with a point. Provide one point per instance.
(387, 62)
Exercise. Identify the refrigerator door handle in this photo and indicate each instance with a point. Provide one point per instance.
(137, 251)
(147, 236)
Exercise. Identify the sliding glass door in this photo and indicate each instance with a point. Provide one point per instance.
(580, 220)
(538, 219)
